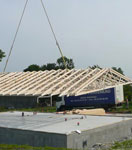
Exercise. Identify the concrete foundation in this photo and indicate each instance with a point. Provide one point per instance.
(36, 139)
(62, 130)
(104, 135)
(18, 101)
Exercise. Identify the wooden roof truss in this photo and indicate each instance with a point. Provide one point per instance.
(60, 82)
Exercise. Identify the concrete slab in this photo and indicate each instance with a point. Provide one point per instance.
(55, 123)
(59, 130)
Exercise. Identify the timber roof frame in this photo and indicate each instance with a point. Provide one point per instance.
(60, 82)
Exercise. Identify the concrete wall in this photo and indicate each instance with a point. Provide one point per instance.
(18, 101)
(37, 139)
(104, 134)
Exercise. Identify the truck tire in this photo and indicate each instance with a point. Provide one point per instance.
(62, 108)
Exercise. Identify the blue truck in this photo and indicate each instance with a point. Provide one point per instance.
(102, 99)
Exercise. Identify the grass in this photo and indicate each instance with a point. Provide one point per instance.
(125, 145)
(26, 147)
(37, 109)
(2, 109)
(122, 109)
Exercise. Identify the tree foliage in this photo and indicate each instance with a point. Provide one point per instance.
(128, 92)
(2, 55)
(118, 70)
(95, 66)
(49, 66)
(33, 67)
(69, 63)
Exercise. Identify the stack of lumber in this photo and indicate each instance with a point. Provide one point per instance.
(99, 111)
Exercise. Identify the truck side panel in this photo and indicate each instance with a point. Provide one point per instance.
(101, 98)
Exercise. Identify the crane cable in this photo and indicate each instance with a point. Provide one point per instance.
(57, 43)
(15, 36)
(18, 30)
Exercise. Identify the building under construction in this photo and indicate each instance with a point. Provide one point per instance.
(25, 89)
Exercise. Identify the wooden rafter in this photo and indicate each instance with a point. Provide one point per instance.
(60, 82)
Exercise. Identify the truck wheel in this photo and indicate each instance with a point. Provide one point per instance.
(62, 108)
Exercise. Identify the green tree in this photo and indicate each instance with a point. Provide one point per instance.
(69, 63)
(49, 66)
(33, 67)
(95, 66)
(128, 92)
(127, 88)
(2, 55)
(118, 70)
(43, 67)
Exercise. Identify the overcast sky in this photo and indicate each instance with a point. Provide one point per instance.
(89, 31)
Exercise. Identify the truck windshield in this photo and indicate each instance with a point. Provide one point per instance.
(58, 99)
